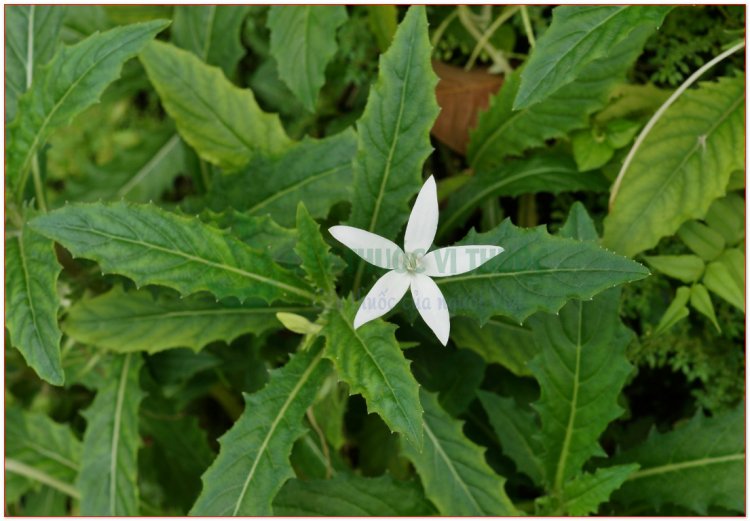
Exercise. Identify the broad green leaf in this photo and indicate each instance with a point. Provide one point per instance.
(591, 149)
(383, 22)
(394, 130)
(701, 301)
(30, 39)
(71, 82)
(726, 277)
(211, 32)
(352, 495)
(582, 495)
(502, 131)
(552, 173)
(498, 341)
(676, 311)
(536, 272)
(319, 264)
(702, 240)
(578, 36)
(316, 172)
(153, 246)
(222, 122)
(682, 166)
(108, 480)
(687, 268)
(579, 225)
(32, 302)
(515, 428)
(41, 450)
(45, 502)
(303, 41)
(581, 370)
(454, 473)
(697, 465)
(370, 360)
(727, 217)
(253, 462)
(137, 321)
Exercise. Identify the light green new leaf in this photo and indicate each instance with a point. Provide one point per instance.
(30, 40)
(394, 130)
(454, 473)
(222, 122)
(697, 465)
(682, 166)
(41, 450)
(498, 341)
(303, 41)
(352, 495)
(727, 217)
(536, 272)
(370, 360)
(211, 32)
(320, 265)
(515, 428)
(108, 478)
(705, 242)
(676, 311)
(726, 277)
(591, 151)
(317, 172)
(31, 300)
(577, 36)
(700, 300)
(581, 370)
(153, 246)
(253, 462)
(71, 82)
(687, 268)
(137, 321)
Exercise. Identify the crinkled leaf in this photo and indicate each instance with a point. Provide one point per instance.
(153, 246)
(253, 462)
(320, 265)
(726, 277)
(498, 341)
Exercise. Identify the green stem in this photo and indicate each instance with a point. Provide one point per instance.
(527, 26)
(483, 41)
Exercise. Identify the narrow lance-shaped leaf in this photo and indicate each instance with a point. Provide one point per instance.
(153, 246)
(253, 462)
(222, 122)
(320, 265)
(108, 477)
(303, 41)
(71, 82)
(454, 473)
(683, 165)
(370, 360)
(137, 321)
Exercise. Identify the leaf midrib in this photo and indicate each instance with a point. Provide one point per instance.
(444, 281)
(675, 467)
(114, 447)
(27, 471)
(191, 313)
(147, 168)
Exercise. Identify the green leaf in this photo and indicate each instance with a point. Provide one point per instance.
(223, 123)
(620, 132)
(579, 225)
(253, 462)
(211, 32)
(536, 272)
(676, 311)
(108, 480)
(726, 277)
(591, 151)
(578, 36)
(320, 265)
(393, 132)
(552, 173)
(705, 242)
(133, 321)
(515, 428)
(153, 246)
(697, 465)
(581, 370)
(71, 82)
(370, 360)
(583, 495)
(383, 23)
(351, 495)
(498, 341)
(316, 172)
(701, 301)
(727, 217)
(454, 473)
(31, 272)
(298, 324)
(687, 268)
(682, 166)
(303, 41)
(41, 450)
(30, 39)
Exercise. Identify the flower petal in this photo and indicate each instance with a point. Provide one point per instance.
(457, 259)
(423, 221)
(371, 247)
(384, 295)
(431, 305)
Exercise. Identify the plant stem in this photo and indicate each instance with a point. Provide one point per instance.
(485, 38)
(464, 15)
(527, 26)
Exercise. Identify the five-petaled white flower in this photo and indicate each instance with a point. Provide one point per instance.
(413, 266)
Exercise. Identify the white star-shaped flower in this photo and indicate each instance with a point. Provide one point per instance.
(413, 266)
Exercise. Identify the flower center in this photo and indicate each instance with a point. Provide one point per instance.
(411, 262)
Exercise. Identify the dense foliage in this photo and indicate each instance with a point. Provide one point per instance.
(179, 330)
